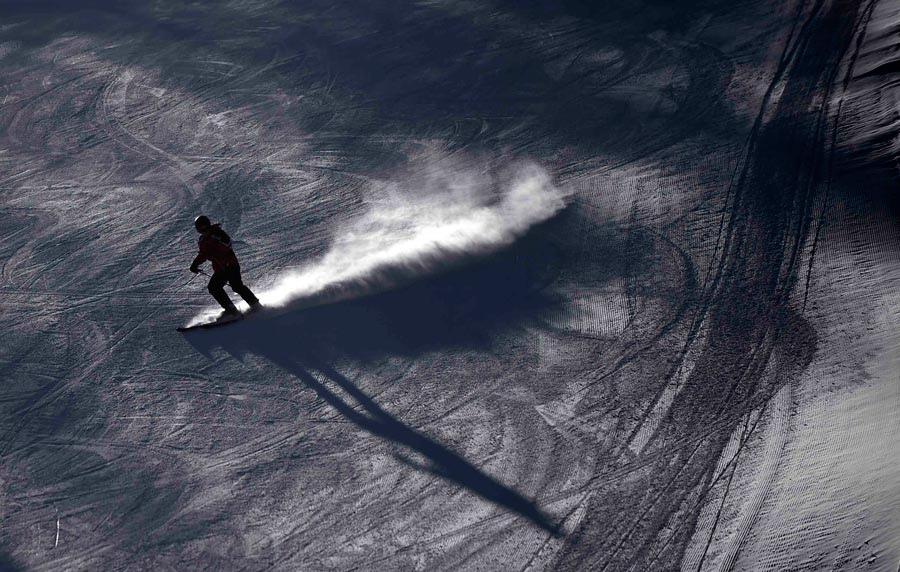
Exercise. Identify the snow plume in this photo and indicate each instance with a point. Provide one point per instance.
(453, 217)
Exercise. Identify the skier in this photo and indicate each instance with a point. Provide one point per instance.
(215, 246)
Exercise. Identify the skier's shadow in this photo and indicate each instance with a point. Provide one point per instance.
(442, 461)
(461, 310)
(7, 564)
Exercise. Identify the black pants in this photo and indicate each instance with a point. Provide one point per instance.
(231, 276)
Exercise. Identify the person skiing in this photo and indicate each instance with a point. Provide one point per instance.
(215, 246)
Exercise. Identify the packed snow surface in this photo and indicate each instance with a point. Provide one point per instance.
(553, 286)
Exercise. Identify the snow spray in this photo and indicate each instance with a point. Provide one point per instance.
(434, 222)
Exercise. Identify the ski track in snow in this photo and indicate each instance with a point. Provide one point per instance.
(549, 287)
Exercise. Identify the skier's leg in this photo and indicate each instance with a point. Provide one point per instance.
(234, 279)
(216, 287)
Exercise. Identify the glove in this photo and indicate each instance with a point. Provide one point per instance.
(194, 269)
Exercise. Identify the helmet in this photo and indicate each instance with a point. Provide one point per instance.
(201, 223)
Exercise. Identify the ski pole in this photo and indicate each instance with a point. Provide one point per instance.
(189, 280)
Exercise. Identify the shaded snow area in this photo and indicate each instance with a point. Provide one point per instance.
(550, 286)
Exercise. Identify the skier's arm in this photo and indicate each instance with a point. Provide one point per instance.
(195, 265)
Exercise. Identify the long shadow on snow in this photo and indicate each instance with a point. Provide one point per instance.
(464, 309)
(7, 564)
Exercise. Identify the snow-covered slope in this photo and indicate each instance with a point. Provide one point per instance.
(554, 286)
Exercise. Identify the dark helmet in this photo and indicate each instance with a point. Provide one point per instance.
(201, 223)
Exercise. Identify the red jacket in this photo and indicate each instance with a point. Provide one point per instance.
(215, 246)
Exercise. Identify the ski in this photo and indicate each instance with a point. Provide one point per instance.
(221, 322)
(210, 325)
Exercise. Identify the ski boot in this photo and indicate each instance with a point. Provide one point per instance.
(229, 315)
